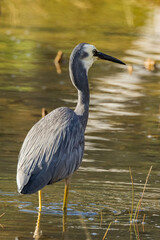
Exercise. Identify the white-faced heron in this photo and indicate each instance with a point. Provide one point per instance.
(53, 148)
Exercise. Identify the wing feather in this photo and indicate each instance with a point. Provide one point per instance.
(52, 150)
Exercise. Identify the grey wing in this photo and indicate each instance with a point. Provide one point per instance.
(52, 150)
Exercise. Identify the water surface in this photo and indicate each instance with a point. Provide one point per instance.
(123, 128)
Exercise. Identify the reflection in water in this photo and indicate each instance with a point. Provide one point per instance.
(64, 224)
(146, 46)
(37, 232)
(123, 128)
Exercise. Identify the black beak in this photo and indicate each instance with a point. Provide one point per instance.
(107, 57)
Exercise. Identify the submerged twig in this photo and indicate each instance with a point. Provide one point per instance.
(0, 217)
(58, 57)
(130, 69)
(150, 64)
(57, 61)
(44, 112)
(1, 226)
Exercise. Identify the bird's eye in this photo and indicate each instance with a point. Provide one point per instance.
(94, 52)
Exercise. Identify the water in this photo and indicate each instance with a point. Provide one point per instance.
(123, 128)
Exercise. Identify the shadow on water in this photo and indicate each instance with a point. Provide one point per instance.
(123, 128)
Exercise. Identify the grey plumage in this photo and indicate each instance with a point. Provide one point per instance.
(53, 148)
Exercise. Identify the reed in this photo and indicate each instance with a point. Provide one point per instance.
(2, 215)
(132, 207)
(106, 231)
(140, 201)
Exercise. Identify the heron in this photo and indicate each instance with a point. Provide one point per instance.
(53, 148)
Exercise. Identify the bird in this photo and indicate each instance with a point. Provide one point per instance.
(53, 148)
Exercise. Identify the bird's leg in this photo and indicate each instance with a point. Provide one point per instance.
(40, 200)
(66, 191)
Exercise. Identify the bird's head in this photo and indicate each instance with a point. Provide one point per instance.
(82, 58)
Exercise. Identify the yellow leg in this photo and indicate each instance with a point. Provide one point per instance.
(66, 191)
(40, 200)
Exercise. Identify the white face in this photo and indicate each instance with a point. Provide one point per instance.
(90, 59)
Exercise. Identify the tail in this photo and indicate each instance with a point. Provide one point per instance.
(28, 184)
(22, 180)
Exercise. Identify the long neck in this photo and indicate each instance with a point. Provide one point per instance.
(82, 108)
(78, 74)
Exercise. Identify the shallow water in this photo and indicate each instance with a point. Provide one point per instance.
(123, 128)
